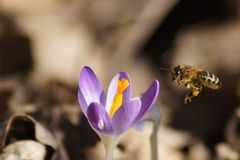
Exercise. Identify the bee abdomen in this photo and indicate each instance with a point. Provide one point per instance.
(210, 80)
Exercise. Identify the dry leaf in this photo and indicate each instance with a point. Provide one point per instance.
(24, 138)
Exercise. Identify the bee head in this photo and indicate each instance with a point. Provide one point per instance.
(176, 72)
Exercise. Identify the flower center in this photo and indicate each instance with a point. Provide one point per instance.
(117, 101)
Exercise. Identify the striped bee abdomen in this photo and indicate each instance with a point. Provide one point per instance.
(209, 80)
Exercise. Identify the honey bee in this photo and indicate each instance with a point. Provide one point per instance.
(194, 79)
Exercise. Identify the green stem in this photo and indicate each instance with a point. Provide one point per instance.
(154, 140)
(109, 144)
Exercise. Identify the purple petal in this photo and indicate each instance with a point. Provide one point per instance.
(82, 102)
(125, 115)
(148, 99)
(90, 89)
(99, 119)
(112, 89)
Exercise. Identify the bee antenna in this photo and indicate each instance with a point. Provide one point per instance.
(164, 69)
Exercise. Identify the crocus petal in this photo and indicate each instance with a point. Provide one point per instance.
(112, 89)
(148, 99)
(99, 119)
(125, 115)
(82, 102)
(90, 87)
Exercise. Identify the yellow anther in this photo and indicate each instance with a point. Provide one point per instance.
(117, 101)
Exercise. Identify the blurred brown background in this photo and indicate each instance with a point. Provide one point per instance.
(44, 44)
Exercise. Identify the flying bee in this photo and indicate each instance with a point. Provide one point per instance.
(194, 79)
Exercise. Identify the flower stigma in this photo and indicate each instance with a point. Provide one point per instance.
(117, 101)
(100, 124)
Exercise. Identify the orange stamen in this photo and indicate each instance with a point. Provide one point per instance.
(117, 101)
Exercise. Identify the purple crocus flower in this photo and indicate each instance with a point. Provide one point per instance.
(115, 113)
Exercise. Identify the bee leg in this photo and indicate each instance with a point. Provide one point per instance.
(193, 93)
(188, 97)
(179, 81)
